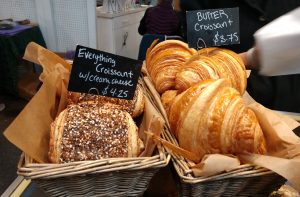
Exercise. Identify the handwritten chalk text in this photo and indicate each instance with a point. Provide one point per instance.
(214, 26)
(83, 53)
(214, 15)
(88, 77)
(113, 72)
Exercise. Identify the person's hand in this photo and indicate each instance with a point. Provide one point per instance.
(251, 59)
(244, 57)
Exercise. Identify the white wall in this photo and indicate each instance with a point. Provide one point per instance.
(18, 9)
(64, 23)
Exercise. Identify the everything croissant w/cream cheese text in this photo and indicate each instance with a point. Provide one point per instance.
(102, 73)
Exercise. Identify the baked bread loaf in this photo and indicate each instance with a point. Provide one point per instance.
(213, 63)
(134, 107)
(211, 117)
(164, 60)
(89, 132)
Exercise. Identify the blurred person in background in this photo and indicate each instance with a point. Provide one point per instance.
(160, 19)
(276, 92)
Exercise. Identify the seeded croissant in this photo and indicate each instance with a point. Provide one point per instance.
(89, 132)
(211, 117)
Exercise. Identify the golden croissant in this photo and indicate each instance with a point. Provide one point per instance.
(164, 60)
(211, 117)
(167, 99)
(213, 63)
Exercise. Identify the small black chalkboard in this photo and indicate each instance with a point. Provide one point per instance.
(213, 27)
(101, 73)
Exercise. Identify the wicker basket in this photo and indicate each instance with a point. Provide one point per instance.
(106, 177)
(256, 185)
(246, 180)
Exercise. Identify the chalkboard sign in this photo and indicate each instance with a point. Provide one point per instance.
(213, 27)
(101, 73)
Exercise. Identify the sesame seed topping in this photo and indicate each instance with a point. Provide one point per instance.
(92, 132)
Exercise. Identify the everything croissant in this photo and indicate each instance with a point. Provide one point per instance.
(90, 132)
(211, 117)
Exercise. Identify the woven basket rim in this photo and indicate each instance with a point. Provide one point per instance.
(244, 172)
(50, 170)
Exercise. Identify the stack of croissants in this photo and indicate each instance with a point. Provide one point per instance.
(94, 127)
(201, 93)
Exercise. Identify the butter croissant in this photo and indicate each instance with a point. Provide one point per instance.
(211, 117)
(167, 99)
(164, 60)
(134, 106)
(89, 132)
(213, 63)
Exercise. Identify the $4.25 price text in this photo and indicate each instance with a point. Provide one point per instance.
(114, 92)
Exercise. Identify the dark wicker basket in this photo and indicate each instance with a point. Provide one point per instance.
(105, 177)
(123, 183)
(260, 185)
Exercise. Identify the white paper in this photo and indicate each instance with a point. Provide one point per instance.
(278, 45)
